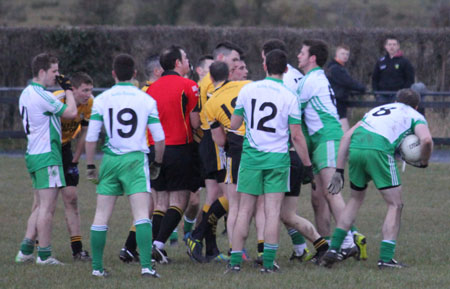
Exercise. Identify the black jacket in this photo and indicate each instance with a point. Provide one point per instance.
(392, 74)
(341, 81)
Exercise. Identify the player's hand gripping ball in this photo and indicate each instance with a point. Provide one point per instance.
(410, 151)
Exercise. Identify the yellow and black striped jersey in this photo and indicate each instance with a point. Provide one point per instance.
(220, 106)
(71, 127)
(206, 88)
(146, 86)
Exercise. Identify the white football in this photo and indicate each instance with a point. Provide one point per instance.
(410, 148)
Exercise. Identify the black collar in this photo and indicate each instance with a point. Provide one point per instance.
(170, 72)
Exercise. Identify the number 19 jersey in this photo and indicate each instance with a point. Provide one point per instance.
(125, 112)
(268, 107)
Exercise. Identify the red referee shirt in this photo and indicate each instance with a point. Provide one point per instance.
(175, 97)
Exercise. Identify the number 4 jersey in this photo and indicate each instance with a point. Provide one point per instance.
(320, 118)
(125, 112)
(384, 127)
(268, 107)
(41, 111)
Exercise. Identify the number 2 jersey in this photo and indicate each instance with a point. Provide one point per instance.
(384, 127)
(125, 111)
(320, 118)
(41, 111)
(268, 107)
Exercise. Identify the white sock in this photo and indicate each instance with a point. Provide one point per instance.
(159, 245)
(298, 249)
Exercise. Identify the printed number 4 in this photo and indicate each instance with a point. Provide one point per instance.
(265, 119)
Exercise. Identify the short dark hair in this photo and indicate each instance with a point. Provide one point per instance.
(219, 71)
(408, 96)
(225, 48)
(169, 56)
(276, 62)
(78, 78)
(272, 44)
(42, 61)
(151, 63)
(123, 66)
(201, 60)
(319, 49)
(391, 37)
(343, 46)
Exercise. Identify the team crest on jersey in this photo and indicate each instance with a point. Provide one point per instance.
(397, 66)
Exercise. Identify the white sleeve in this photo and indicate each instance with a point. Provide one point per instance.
(156, 131)
(94, 128)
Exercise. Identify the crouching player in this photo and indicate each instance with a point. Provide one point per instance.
(372, 143)
(126, 112)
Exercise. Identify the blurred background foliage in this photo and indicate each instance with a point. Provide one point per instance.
(293, 13)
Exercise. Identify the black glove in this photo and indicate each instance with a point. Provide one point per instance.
(72, 169)
(91, 174)
(308, 176)
(337, 182)
(64, 82)
(155, 170)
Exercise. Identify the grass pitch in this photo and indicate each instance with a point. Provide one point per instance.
(422, 244)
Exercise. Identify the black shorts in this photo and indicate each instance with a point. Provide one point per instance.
(234, 151)
(178, 171)
(210, 157)
(341, 106)
(71, 173)
(296, 177)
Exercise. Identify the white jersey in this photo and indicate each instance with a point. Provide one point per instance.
(292, 78)
(41, 111)
(125, 111)
(316, 97)
(268, 107)
(384, 127)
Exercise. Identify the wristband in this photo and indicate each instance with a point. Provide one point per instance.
(340, 171)
(91, 167)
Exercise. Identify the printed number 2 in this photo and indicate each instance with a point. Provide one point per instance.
(265, 119)
(132, 121)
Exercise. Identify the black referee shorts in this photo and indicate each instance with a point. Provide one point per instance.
(72, 176)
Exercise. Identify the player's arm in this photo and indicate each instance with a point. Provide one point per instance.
(158, 137)
(298, 140)
(337, 181)
(93, 132)
(195, 119)
(71, 110)
(80, 144)
(426, 142)
(236, 121)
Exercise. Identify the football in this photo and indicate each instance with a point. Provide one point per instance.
(410, 148)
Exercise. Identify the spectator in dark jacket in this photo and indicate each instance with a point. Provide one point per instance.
(392, 71)
(342, 83)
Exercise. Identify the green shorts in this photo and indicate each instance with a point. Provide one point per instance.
(257, 182)
(48, 177)
(324, 155)
(128, 173)
(367, 164)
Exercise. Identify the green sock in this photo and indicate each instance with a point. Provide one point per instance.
(44, 252)
(387, 250)
(98, 241)
(338, 237)
(27, 246)
(144, 242)
(174, 235)
(188, 224)
(353, 229)
(270, 251)
(236, 258)
(296, 237)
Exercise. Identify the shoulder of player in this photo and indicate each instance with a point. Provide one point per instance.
(294, 71)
